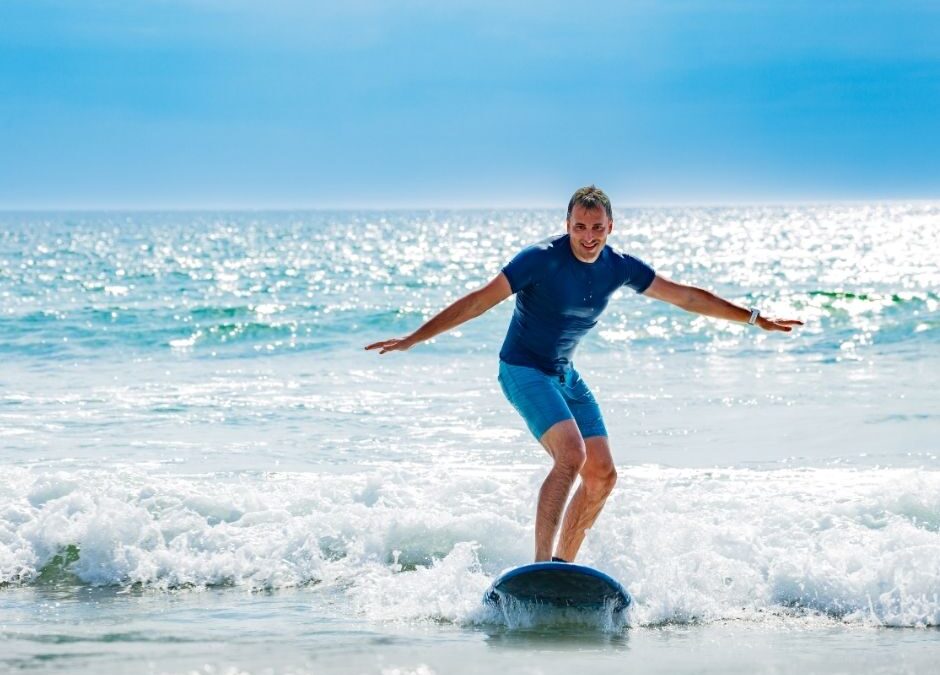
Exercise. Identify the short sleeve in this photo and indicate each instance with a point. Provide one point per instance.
(637, 274)
(527, 266)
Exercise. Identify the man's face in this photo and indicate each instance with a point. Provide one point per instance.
(588, 229)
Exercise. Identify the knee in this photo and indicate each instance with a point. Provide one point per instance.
(570, 458)
(600, 480)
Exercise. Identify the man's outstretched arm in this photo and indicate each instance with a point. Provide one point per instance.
(468, 307)
(700, 301)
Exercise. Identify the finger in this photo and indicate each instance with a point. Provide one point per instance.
(780, 324)
(377, 345)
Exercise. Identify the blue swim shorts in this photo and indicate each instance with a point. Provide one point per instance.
(544, 400)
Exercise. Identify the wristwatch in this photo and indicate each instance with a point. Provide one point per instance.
(754, 314)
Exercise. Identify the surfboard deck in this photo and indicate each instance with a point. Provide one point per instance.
(558, 584)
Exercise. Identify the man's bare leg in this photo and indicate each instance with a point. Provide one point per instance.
(564, 443)
(598, 477)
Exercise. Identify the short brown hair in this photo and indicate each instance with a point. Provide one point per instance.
(590, 197)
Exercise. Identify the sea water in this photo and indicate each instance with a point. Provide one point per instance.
(203, 470)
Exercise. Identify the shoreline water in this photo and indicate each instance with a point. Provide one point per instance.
(205, 632)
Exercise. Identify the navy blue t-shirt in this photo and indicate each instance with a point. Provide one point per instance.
(559, 298)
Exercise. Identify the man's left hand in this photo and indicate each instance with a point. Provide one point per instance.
(785, 325)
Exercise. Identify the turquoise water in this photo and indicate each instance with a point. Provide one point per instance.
(200, 461)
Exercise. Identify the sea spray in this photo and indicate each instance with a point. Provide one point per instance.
(857, 545)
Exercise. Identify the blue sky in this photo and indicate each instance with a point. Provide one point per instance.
(230, 103)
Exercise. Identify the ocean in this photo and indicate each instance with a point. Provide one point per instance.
(205, 472)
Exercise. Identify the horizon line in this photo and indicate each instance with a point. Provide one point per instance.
(114, 208)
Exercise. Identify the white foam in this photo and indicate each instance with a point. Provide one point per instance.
(416, 543)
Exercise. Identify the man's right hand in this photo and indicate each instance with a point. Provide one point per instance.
(469, 306)
(393, 345)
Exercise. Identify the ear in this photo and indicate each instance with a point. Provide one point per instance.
(610, 228)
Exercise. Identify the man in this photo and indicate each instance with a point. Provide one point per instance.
(562, 285)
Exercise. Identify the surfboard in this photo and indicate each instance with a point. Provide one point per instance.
(558, 584)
